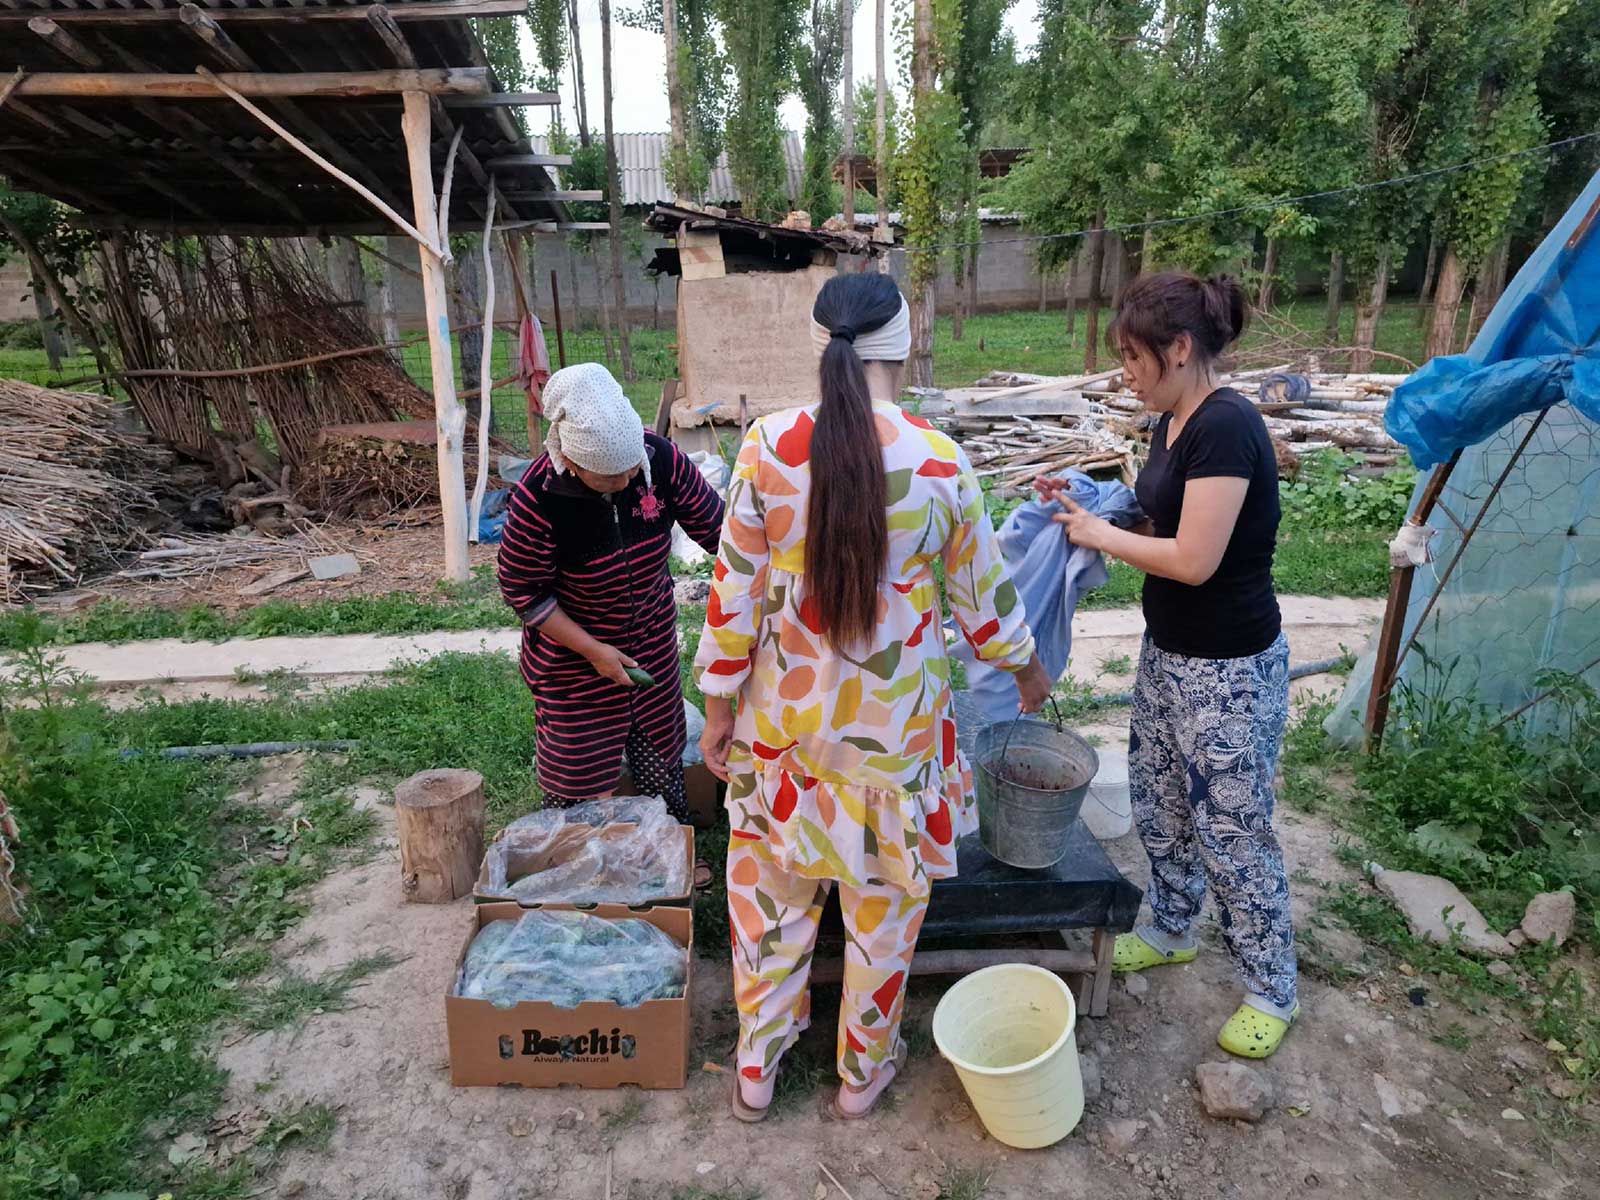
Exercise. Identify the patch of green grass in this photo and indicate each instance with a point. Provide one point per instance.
(308, 1127)
(625, 1116)
(964, 1183)
(295, 997)
(1116, 664)
(1455, 1037)
(148, 903)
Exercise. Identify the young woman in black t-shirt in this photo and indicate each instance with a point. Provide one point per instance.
(1212, 695)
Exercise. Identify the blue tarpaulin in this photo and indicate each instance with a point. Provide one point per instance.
(1540, 346)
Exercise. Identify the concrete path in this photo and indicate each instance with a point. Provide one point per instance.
(1316, 628)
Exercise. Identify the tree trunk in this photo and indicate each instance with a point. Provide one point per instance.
(680, 130)
(847, 104)
(1044, 288)
(923, 276)
(49, 330)
(958, 311)
(603, 310)
(1368, 315)
(1446, 305)
(1072, 300)
(1330, 324)
(1147, 246)
(1097, 264)
(580, 103)
(467, 301)
(614, 187)
(1429, 277)
(972, 275)
(1486, 291)
(1269, 269)
(439, 818)
(386, 310)
(881, 147)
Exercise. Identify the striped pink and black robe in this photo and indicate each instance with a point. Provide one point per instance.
(603, 559)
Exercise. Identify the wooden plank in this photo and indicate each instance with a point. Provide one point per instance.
(583, 194)
(1070, 405)
(437, 10)
(528, 160)
(335, 84)
(506, 100)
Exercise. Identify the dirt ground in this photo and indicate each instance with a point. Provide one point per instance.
(393, 559)
(1366, 1104)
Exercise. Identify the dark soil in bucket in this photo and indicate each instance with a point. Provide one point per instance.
(1029, 767)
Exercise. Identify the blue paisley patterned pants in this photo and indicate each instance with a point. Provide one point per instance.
(1203, 749)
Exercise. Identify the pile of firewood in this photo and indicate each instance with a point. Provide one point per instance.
(75, 486)
(1016, 426)
(372, 470)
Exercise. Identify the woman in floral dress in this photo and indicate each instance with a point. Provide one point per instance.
(824, 624)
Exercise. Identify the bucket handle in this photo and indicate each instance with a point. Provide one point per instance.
(1059, 724)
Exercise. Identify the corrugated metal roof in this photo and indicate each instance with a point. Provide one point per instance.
(640, 158)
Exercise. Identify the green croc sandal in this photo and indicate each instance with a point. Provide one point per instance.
(1132, 953)
(1251, 1033)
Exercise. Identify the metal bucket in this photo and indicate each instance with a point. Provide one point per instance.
(1032, 778)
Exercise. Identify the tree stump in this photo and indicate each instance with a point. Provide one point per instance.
(440, 818)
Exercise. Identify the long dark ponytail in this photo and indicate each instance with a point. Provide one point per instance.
(847, 534)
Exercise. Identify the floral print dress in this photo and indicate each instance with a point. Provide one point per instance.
(844, 767)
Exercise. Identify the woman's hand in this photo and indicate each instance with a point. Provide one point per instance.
(1083, 527)
(718, 736)
(1050, 487)
(1033, 684)
(612, 663)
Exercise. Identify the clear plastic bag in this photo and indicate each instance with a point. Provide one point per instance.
(567, 958)
(626, 850)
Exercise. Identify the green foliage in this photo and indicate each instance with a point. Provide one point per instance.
(134, 941)
(930, 171)
(1326, 496)
(761, 38)
(818, 65)
(21, 335)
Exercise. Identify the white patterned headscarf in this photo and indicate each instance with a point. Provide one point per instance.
(592, 424)
(889, 342)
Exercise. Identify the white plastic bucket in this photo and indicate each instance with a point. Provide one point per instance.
(1107, 809)
(1008, 1030)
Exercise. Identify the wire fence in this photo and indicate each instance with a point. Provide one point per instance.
(1510, 617)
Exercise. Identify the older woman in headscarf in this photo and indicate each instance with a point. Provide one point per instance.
(584, 564)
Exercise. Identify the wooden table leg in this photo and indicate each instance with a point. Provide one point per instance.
(1100, 993)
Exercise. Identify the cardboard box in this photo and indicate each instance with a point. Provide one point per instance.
(595, 1045)
(573, 838)
(703, 789)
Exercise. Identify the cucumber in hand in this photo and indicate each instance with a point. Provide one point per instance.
(640, 676)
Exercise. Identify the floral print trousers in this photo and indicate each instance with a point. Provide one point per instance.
(1203, 750)
(774, 915)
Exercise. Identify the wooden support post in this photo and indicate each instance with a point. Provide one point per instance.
(439, 816)
(1094, 986)
(1386, 662)
(452, 418)
(485, 375)
(555, 303)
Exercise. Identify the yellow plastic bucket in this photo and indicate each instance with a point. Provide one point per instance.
(1008, 1031)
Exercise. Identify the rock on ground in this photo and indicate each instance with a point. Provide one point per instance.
(1231, 1091)
(1119, 1137)
(1435, 909)
(1089, 1069)
(1550, 915)
(1396, 1101)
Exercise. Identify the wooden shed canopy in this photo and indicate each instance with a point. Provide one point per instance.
(106, 108)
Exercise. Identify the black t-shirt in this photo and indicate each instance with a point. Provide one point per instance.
(1233, 614)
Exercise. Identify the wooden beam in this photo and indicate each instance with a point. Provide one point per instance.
(434, 10)
(529, 160)
(10, 85)
(505, 100)
(211, 35)
(19, 169)
(205, 141)
(333, 84)
(65, 44)
(553, 195)
(451, 417)
(366, 194)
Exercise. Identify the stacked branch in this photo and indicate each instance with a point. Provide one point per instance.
(73, 486)
(1015, 426)
(373, 470)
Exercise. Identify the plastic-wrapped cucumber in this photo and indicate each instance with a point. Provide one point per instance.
(567, 958)
(580, 855)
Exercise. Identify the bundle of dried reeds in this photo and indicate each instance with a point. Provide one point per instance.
(73, 486)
